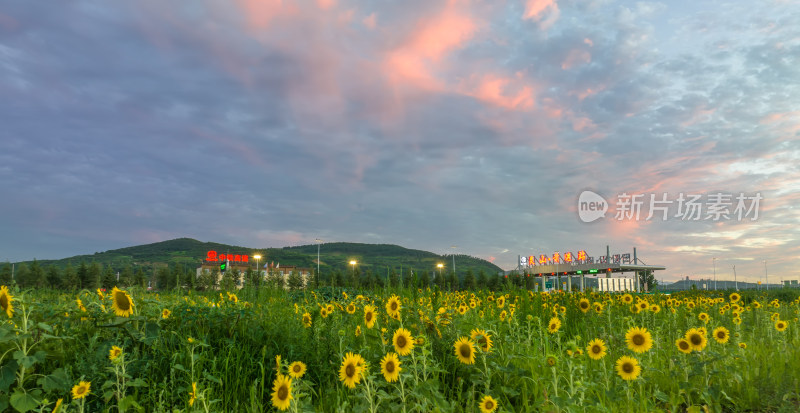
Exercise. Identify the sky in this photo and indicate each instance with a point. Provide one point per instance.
(467, 127)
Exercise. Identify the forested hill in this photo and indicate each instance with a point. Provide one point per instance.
(189, 253)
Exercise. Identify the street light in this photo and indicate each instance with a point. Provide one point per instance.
(319, 242)
(440, 266)
(714, 262)
(353, 263)
(257, 257)
(454, 257)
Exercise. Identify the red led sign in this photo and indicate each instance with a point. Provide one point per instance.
(213, 257)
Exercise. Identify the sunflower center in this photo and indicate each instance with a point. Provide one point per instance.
(553, 326)
(390, 367)
(627, 367)
(696, 339)
(584, 305)
(81, 390)
(401, 341)
(122, 302)
(596, 349)
(721, 334)
(296, 368)
(394, 305)
(283, 392)
(684, 345)
(465, 350)
(350, 370)
(489, 405)
(369, 317)
(638, 339)
(4, 302)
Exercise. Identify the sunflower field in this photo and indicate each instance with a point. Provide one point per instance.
(397, 350)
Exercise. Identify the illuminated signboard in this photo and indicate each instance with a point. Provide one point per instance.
(567, 257)
(212, 256)
(626, 258)
(572, 258)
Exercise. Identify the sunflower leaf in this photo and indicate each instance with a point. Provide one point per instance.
(7, 377)
(58, 380)
(23, 402)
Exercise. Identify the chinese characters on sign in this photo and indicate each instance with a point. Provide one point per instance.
(212, 256)
(688, 207)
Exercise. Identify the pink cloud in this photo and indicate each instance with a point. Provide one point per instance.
(576, 57)
(260, 13)
(539, 9)
(369, 21)
(509, 93)
(326, 4)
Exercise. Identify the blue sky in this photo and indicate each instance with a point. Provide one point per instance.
(427, 124)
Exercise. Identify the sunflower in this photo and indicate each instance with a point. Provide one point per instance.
(465, 350)
(721, 334)
(735, 297)
(390, 367)
(488, 404)
(703, 317)
(584, 305)
(781, 325)
(350, 372)
(627, 298)
(482, 339)
(683, 345)
(80, 304)
(596, 349)
(81, 389)
(501, 301)
(58, 405)
(393, 306)
(655, 308)
(553, 325)
(643, 305)
(743, 345)
(6, 301)
(351, 308)
(122, 303)
(114, 353)
(193, 394)
(639, 339)
(297, 369)
(306, 319)
(503, 315)
(323, 311)
(369, 316)
(165, 313)
(330, 308)
(598, 308)
(628, 368)
(551, 360)
(737, 320)
(282, 392)
(358, 331)
(697, 340)
(403, 342)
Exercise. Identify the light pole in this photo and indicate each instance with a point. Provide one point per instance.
(734, 278)
(353, 263)
(258, 269)
(714, 262)
(319, 242)
(440, 266)
(454, 257)
(766, 278)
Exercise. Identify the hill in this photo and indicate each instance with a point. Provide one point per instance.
(378, 258)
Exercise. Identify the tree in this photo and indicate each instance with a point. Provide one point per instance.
(647, 280)
(394, 279)
(83, 275)
(22, 275)
(93, 276)
(295, 280)
(5, 274)
(139, 278)
(482, 281)
(109, 279)
(164, 279)
(469, 280)
(70, 280)
(229, 279)
(53, 277)
(126, 278)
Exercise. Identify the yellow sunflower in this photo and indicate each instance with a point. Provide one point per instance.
(488, 404)
(403, 342)
(358, 331)
(703, 317)
(323, 311)
(369, 316)
(482, 339)
(193, 394)
(554, 325)
(655, 308)
(6, 301)
(114, 353)
(742, 345)
(737, 320)
(81, 389)
(351, 308)
(551, 361)
(697, 339)
(122, 303)
(735, 297)
(165, 313)
(503, 315)
(297, 369)
(57, 408)
(596, 349)
(393, 306)
(282, 392)
(350, 371)
(628, 368)
(390, 367)
(639, 339)
(781, 325)
(584, 305)
(627, 298)
(721, 334)
(465, 350)
(501, 301)
(683, 345)
(307, 319)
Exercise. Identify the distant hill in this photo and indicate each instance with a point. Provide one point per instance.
(378, 258)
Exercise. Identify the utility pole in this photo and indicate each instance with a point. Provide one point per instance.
(454, 257)
(714, 262)
(734, 278)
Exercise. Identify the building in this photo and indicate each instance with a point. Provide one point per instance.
(278, 271)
